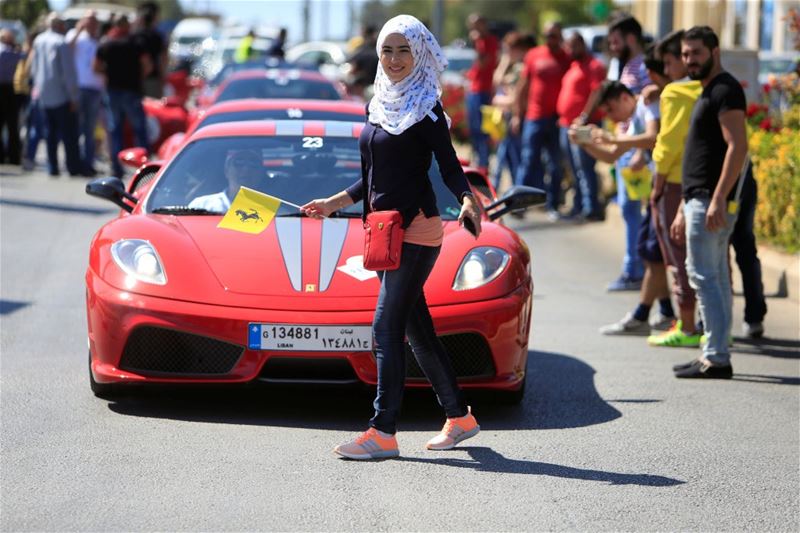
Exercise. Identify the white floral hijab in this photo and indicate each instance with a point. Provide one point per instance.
(398, 106)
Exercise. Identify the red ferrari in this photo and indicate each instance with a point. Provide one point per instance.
(261, 109)
(172, 298)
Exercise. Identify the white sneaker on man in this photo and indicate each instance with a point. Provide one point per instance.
(627, 326)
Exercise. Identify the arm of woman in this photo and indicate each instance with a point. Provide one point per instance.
(323, 207)
(438, 139)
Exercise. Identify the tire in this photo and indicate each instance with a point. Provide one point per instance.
(100, 390)
(513, 397)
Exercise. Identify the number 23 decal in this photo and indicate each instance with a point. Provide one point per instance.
(312, 142)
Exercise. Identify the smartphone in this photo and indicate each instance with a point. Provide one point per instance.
(470, 227)
(583, 134)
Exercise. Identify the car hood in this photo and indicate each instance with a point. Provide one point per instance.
(295, 263)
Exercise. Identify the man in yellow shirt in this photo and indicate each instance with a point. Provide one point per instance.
(676, 104)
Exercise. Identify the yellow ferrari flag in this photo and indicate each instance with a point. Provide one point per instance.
(250, 212)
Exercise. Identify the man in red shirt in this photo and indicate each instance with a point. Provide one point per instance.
(585, 74)
(480, 87)
(537, 94)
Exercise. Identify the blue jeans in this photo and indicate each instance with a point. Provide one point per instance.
(87, 121)
(582, 165)
(35, 129)
(744, 243)
(62, 125)
(632, 265)
(122, 105)
(480, 140)
(509, 152)
(707, 267)
(402, 311)
(540, 136)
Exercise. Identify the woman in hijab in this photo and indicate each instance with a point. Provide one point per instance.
(405, 126)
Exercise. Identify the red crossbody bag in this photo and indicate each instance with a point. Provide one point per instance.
(383, 240)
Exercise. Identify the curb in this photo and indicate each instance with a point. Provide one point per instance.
(780, 271)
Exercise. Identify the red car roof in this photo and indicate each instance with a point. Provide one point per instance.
(255, 128)
(255, 104)
(291, 73)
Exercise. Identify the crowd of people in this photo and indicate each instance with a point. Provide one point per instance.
(66, 81)
(675, 141)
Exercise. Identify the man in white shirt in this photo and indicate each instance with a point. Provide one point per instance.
(83, 40)
(243, 168)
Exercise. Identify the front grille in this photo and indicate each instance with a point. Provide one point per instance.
(164, 351)
(469, 354)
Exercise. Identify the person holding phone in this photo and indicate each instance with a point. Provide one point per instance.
(405, 126)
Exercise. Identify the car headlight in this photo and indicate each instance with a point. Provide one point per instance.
(139, 259)
(479, 267)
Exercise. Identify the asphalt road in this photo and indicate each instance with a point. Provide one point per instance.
(606, 438)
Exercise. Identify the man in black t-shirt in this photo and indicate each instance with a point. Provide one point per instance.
(715, 153)
(124, 65)
(150, 41)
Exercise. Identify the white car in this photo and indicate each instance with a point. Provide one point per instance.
(459, 60)
(329, 56)
(188, 35)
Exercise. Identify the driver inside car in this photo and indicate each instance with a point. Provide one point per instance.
(243, 168)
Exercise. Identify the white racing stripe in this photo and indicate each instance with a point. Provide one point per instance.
(334, 232)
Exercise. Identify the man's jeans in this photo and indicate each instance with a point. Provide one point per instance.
(707, 266)
(744, 243)
(539, 136)
(35, 129)
(632, 265)
(87, 121)
(582, 165)
(402, 311)
(122, 105)
(62, 125)
(509, 152)
(480, 140)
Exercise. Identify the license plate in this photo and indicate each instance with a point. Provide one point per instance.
(305, 338)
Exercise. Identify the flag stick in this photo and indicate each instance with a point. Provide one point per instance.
(265, 194)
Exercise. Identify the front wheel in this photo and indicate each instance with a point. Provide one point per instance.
(512, 397)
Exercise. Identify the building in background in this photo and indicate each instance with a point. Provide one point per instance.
(752, 24)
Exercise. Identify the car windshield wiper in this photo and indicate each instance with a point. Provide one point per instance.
(183, 210)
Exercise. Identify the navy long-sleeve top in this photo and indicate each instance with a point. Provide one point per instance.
(394, 168)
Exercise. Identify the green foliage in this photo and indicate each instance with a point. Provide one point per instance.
(28, 11)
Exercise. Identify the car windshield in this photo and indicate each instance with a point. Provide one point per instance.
(280, 114)
(296, 169)
(278, 87)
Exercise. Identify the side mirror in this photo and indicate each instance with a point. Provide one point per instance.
(133, 157)
(517, 198)
(111, 189)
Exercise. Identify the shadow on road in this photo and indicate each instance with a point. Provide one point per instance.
(560, 394)
(9, 306)
(487, 460)
(774, 380)
(63, 208)
(780, 348)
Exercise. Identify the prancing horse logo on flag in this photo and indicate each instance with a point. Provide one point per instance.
(245, 216)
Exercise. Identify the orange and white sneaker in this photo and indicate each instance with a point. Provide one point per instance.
(454, 431)
(369, 445)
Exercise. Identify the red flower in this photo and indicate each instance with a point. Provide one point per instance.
(752, 109)
(765, 124)
(766, 87)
